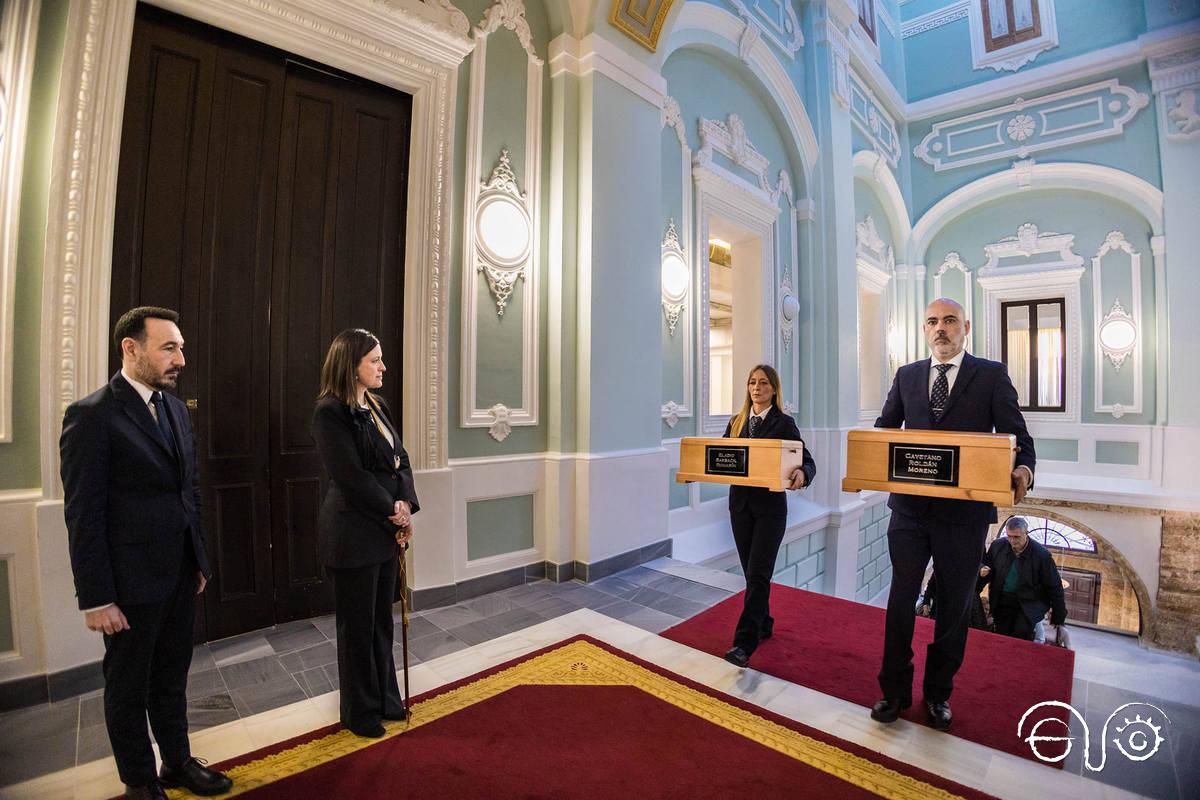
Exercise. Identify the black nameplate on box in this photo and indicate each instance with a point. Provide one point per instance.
(733, 461)
(932, 465)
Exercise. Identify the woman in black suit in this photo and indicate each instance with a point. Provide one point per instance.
(365, 519)
(759, 516)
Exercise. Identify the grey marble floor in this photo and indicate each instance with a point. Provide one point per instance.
(245, 675)
(255, 672)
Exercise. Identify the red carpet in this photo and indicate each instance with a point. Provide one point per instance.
(835, 647)
(581, 719)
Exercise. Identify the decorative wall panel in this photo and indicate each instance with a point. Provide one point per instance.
(867, 114)
(1117, 324)
(773, 19)
(1096, 111)
(501, 231)
(673, 409)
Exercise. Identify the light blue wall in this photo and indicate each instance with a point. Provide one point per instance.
(1164, 13)
(939, 60)
(1134, 151)
(1090, 217)
(499, 343)
(499, 526)
(801, 563)
(866, 201)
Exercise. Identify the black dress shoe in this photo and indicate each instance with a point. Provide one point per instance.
(195, 777)
(151, 791)
(401, 714)
(939, 715)
(367, 731)
(738, 657)
(888, 709)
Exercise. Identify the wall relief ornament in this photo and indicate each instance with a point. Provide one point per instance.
(500, 427)
(672, 115)
(504, 235)
(508, 14)
(676, 277)
(670, 413)
(775, 20)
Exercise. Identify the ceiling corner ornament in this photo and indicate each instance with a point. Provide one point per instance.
(505, 232)
(776, 21)
(500, 427)
(508, 14)
(672, 115)
(676, 277)
(641, 21)
(671, 413)
(1018, 129)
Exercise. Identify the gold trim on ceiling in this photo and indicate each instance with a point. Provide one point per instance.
(640, 20)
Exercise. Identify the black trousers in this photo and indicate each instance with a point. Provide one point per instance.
(1011, 619)
(145, 674)
(757, 537)
(957, 551)
(362, 599)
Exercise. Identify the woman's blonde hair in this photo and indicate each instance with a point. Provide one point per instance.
(738, 423)
(341, 364)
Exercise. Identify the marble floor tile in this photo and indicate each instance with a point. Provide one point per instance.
(327, 626)
(207, 712)
(677, 607)
(284, 722)
(651, 620)
(47, 741)
(202, 659)
(398, 655)
(452, 616)
(202, 684)
(515, 620)
(550, 607)
(315, 656)
(417, 627)
(265, 669)
(617, 586)
(435, 645)
(331, 674)
(647, 596)
(259, 697)
(294, 636)
(91, 711)
(246, 647)
(618, 609)
(476, 632)
(93, 744)
(698, 574)
(700, 593)
(489, 605)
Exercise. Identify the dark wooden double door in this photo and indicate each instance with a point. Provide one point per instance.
(264, 198)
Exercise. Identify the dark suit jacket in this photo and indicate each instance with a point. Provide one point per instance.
(132, 508)
(353, 528)
(983, 400)
(776, 425)
(1039, 587)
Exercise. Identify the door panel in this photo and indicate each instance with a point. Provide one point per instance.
(263, 199)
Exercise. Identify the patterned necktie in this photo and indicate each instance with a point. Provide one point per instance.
(940, 393)
(164, 424)
(755, 422)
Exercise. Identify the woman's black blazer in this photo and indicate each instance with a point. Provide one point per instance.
(353, 528)
(757, 500)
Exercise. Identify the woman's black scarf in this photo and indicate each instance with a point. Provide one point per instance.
(364, 438)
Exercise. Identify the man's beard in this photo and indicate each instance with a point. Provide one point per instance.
(155, 380)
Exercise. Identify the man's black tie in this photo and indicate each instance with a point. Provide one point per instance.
(940, 393)
(755, 422)
(164, 424)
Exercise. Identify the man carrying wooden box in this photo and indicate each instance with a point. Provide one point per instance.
(952, 391)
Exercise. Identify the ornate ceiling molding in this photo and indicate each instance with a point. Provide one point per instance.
(641, 20)
(508, 14)
(777, 22)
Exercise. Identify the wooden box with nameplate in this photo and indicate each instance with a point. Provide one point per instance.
(767, 463)
(949, 464)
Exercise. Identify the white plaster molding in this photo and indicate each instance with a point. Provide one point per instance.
(868, 114)
(935, 19)
(875, 171)
(502, 276)
(782, 30)
(592, 53)
(729, 139)
(1146, 199)
(1174, 64)
(1034, 282)
(1030, 241)
(789, 309)
(672, 116)
(404, 44)
(671, 413)
(673, 303)
(882, 14)
(1181, 115)
(698, 19)
(508, 14)
(18, 36)
(1013, 57)
(937, 148)
(1115, 240)
(954, 261)
(867, 240)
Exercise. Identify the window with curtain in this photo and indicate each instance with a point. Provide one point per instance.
(866, 17)
(1007, 22)
(1033, 346)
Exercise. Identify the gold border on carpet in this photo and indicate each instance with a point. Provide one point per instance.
(582, 663)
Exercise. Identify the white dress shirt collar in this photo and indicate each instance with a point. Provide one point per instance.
(142, 389)
(956, 361)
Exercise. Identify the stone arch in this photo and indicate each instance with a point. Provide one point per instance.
(1105, 548)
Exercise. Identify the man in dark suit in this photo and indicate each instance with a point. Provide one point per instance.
(1023, 583)
(952, 391)
(132, 500)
